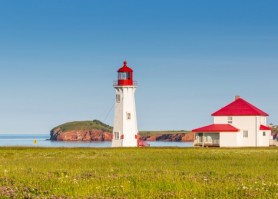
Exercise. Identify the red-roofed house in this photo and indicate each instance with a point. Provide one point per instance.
(239, 124)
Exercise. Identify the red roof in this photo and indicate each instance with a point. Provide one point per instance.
(216, 128)
(264, 128)
(125, 68)
(239, 107)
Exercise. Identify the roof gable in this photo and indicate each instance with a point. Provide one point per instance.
(239, 107)
(265, 128)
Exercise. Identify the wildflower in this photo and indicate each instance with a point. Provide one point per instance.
(3, 189)
(75, 181)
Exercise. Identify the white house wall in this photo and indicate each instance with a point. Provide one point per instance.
(261, 139)
(264, 140)
(248, 123)
(228, 139)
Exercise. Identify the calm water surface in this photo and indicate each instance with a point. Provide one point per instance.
(41, 140)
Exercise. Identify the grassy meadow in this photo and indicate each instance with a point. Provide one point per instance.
(138, 173)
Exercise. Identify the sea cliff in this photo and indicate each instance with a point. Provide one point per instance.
(169, 137)
(98, 131)
(82, 135)
(82, 131)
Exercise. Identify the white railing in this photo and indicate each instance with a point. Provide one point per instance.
(215, 142)
(206, 142)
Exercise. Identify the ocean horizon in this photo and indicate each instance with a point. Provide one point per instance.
(43, 140)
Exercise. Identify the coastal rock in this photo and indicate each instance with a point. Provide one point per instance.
(177, 137)
(150, 138)
(188, 137)
(97, 131)
(92, 135)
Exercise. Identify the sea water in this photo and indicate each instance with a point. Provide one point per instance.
(42, 140)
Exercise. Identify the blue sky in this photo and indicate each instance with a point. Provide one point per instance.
(58, 59)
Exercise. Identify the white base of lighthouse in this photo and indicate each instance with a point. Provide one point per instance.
(125, 121)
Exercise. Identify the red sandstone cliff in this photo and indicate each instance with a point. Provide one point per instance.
(81, 135)
(98, 131)
(177, 137)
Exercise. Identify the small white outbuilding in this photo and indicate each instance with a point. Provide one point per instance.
(239, 124)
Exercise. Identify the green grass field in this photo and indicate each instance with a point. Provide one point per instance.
(138, 173)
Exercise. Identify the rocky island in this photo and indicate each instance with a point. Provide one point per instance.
(98, 131)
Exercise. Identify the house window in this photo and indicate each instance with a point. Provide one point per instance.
(116, 135)
(245, 134)
(263, 133)
(128, 116)
(230, 120)
(118, 98)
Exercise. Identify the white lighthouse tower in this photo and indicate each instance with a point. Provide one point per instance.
(125, 121)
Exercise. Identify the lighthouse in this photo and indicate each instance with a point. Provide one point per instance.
(125, 121)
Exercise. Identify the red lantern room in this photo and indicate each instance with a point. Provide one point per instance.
(125, 76)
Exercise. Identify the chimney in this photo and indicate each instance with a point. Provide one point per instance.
(237, 97)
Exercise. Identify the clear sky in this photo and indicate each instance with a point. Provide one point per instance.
(58, 59)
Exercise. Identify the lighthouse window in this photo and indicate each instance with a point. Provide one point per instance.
(123, 76)
(263, 133)
(230, 120)
(116, 135)
(118, 98)
(128, 116)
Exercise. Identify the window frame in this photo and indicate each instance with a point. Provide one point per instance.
(230, 119)
(124, 76)
(118, 98)
(245, 133)
(128, 116)
(116, 135)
